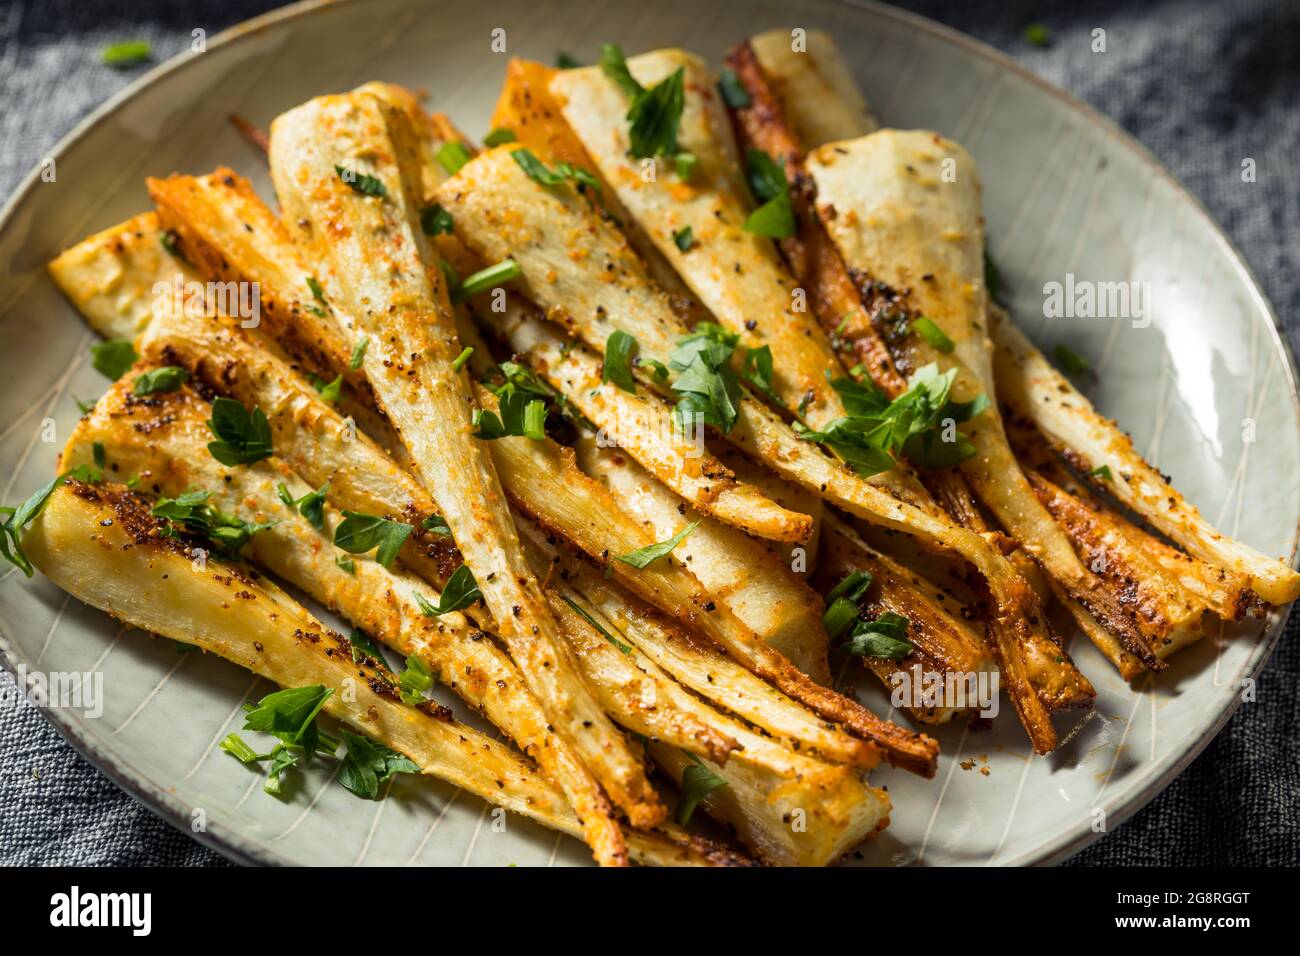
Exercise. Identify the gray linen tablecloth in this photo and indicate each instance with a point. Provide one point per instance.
(1201, 83)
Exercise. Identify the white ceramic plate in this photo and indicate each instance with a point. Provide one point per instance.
(1065, 192)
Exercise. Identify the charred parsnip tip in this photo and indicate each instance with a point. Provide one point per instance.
(347, 170)
(113, 277)
(942, 640)
(1036, 391)
(813, 85)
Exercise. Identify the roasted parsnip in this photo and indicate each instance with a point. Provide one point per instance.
(115, 276)
(368, 229)
(903, 209)
(752, 579)
(162, 440)
(768, 123)
(101, 544)
(1030, 386)
(813, 85)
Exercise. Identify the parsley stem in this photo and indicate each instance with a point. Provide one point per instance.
(485, 279)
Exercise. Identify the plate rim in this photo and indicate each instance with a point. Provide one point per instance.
(235, 846)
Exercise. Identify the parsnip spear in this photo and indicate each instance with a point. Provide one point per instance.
(527, 109)
(582, 271)
(783, 127)
(903, 208)
(486, 199)
(163, 441)
(813, 86)
(1035, 390)
(751, 578)
(101, 544)
(346, 170)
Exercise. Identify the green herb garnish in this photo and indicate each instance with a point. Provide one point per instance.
(328, 391)
(489, 278)
(517, 415)
(416, 678)
(165, 379)
(242, 437)
(311, 505)
(127, 53)
(499, 136)
(1071, 362)
(538, 171)
(436, 221)
(1037, 34)
(363, 647)
(614, 66)
(113, 358)
(757, 370)
(698, 781)
(16, 520)
(930, 331)
(842, 603)
(617, 368)
(709, 389)
(290, 715)
(317, 292)
(362, 183)
(684, 238)
(168, 241)
(460, 591)
(437, 524)
(590, 619)
(876, 430)
(452, 156)
(358, 533)
(368, 765)
(644, 557)
(685, 164)
(654, 114)
(234, 745)
(359, 353)
(886, 637)
(774, 218)
(192, 512)
(733, 91)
